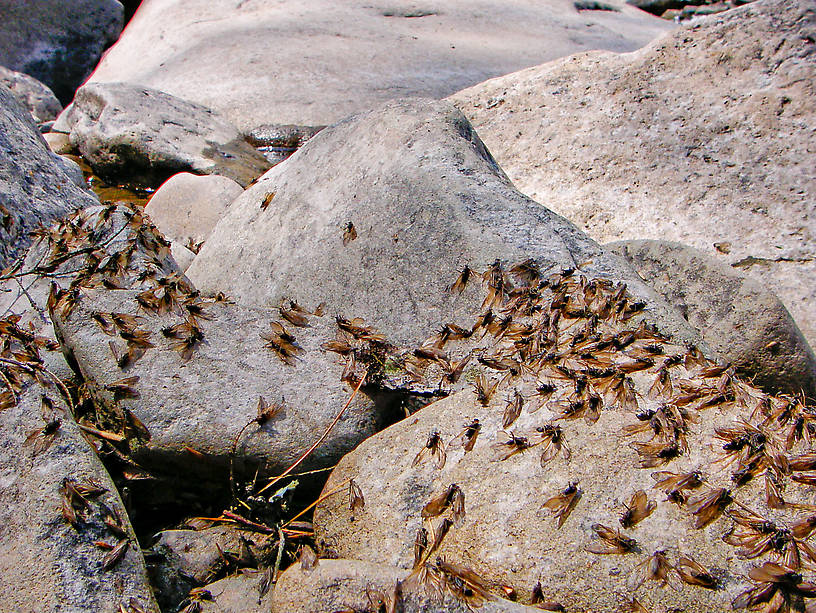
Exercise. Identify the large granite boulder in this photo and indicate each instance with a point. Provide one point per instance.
(378, 215)
(66, 542)
(704, 137)
(313, 62)
(144, 135)
(58, 43)
(740, 319)
(32, 95)
(36, 186)
(587, 469)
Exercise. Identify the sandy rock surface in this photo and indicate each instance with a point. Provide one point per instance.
(208, 400)
(554, 467)
(352, 585)
(703, 137)
(46, 564)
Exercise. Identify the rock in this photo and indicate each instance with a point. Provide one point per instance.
(34, 187)
(345, 585)
(517, 481)
(182, 255)
(237, 594)
(186, 207)
(668, 9)
(707, 139)
(58, 142)
(46, 564)
(181, 560)
(278, 142)
(313, 62)
(100, 245)
(56, 43)
(144, 135)
(282, 136)
(742, 321)
(32, 95)
(200, 410)
(425, 199)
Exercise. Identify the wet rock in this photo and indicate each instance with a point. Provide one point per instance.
(181, 560)
(186, 207)
(518, 478)
(313, 62)
(200, 378)
(742, 321)
(57, 43)
(707, 140)
(34, 186)
(423, 198)
(351, 585)
(239, 593)
(146, 135)
(278, 142)
(46, 564)
(32, 95)
(282, 136)
(668, 9)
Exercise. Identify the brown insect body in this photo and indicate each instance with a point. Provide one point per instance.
(655, 568)
(708, 507)
(434, 448)
(467, 438)
(562, 504)
(612, 541)
(638, 508)
(513, 409)
(693, 573)
(452, 498)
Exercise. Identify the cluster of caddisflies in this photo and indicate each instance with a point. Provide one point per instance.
(576, 345)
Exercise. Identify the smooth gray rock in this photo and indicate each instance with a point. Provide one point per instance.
(56, 42)
(208, 402)
(741, 320)
(313, 62)
(58, 142)
(45, 563)
(183, 256)
(34, 186)
(186, 207)
(180, 560)
(425, 198)
(32, 95)
(350, 585)
(145, 135)
(707, 138)
(237, 594)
